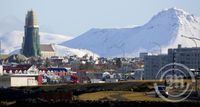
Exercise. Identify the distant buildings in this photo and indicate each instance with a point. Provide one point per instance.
(152, 64)
(30, 75)
(187, 56)
(31, 40)
(143, 54)
(47, 50)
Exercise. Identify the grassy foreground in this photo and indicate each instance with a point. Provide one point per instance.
(122, 94)
(118, 96)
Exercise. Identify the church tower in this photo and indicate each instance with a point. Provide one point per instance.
(31, 39)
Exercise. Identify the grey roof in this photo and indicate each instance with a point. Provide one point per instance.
(46, 47)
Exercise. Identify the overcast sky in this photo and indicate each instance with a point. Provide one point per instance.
(74, 17)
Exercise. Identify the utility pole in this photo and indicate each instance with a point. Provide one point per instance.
(192, 38)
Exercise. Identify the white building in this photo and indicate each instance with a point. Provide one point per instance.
(1, 70)
(29, 77)
(47, 50)
(19, 80)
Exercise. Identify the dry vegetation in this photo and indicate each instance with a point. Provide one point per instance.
(119, 96)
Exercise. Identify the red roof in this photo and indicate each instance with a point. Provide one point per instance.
(17, 67)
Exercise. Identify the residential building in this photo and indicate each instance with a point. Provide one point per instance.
(47, 50)
(143, 54)
(21, 75)
(152, 64)
(189, 57)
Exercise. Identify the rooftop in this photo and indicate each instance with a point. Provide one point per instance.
(46, 47)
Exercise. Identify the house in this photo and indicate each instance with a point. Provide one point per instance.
(47, 50)
(59, 71)
(57, 75)
(20, 75)
(83, 75)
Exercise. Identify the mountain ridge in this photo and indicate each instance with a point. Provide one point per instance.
(12, 41)
(164, 28)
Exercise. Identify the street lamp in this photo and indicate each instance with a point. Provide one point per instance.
(191, 38)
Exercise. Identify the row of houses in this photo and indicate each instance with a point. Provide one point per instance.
(30, 75)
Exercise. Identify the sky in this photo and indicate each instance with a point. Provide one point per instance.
(74, 17)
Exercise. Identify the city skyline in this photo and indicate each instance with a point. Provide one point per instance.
(125, 53)
(76, 17)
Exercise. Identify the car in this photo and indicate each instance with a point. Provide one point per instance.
(162, 90)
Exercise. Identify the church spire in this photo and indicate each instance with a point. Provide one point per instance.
(31, 40)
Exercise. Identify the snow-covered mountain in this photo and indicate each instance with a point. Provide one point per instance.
(65, 51)
(11, 36)
(13, 40)
(11, 43)
(165, 28)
